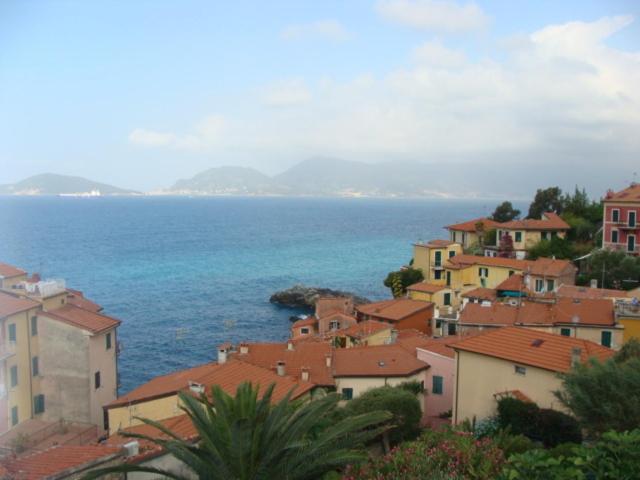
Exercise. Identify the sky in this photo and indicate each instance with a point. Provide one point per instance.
(141, 93)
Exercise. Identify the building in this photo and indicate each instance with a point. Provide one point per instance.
(621, 220)
(430, 257)
(527, 233)
(369, 332)
(401, 313)
(470, 234)
(429, 292)
(11, 276)
(514, 361)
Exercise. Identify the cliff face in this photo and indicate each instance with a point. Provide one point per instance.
(300, 296)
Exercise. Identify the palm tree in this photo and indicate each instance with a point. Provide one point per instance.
(249, 438)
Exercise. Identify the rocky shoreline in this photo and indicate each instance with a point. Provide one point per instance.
(300, 296)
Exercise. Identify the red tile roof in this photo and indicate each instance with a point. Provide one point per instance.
(425, 287)
(305, 322)
(81, 318)
(470, 226)
(481, 293)
(77, 298)
(574, 291)
(366, 329)
(550, 221)
(59, 460)
(311, 355)
(630, 194)
(9, 271)
(11, 304)
(541, 267)
(530, 347)
(394, 310)
(514, 283)
(378, 361)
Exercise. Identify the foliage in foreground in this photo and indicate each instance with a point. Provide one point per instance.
(621, 271)
(399, 281)
(246, 437)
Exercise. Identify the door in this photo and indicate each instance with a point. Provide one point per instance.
(632, 219)
(631, 243)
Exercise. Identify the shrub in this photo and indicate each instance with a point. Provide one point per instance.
(412, 386)
(516, 414)
(541, 465)
(513, 444)
(402, 404)
(615, 456)
(399, 281)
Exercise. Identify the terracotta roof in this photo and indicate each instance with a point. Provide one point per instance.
(481, 293)
(564, 311)
(81, 318)
(366, 328)
(8, 271)
(11, 304)
(377, 361)
(311, 320)
(436, 243)
(311, 355)
(425, 287)
(541, 266)
(630, 194)
(514, 283)
(574, 291)
(550, 267)
(394, 310)
(549, 221)
(228, 376)
(470, 226)
(60, 459)
(77, 298)
(531, 347)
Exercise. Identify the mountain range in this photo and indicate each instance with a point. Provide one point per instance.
(53, 184)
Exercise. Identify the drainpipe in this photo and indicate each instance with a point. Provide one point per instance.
(30, 363)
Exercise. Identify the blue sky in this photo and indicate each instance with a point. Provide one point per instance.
(140, 93)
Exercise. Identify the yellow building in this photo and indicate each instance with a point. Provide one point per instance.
(515, 362)
(430, 257)
(628, 315)
(470, 234)
(11, 276)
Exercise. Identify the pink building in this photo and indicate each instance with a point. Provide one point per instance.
(440, 377)
(621, 222)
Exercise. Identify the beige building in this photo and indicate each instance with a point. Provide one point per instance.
(517, 362)
(471, 234)
(11, 276)
(430, 258)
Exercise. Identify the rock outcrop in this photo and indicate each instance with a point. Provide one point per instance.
(300, 296)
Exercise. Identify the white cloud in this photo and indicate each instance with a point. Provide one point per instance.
(206, 133)
(435, 54)
(286, 94)
(331, 30)
(439, 15)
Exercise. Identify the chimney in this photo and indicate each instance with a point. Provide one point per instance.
(304, 374)
(327, 359)
(594, 283)
(244, 348)
(290, 345)
(280, 368)
(575, 356)
(223, 350)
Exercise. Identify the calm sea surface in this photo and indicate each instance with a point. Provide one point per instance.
(185, 274)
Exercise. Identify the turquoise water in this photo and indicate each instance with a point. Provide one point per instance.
(185, 274)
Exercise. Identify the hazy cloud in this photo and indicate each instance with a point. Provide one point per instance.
(439, 15)
(286, 94)
(331, 30)
(436, 54)
(206, 133)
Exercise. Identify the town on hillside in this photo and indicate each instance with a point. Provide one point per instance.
(504, 309)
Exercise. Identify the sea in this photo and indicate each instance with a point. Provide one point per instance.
(186, 274)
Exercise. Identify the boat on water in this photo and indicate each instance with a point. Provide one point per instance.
(92, 193)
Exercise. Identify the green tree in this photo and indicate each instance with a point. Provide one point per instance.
(605, 395)
(619, 270)
(556, 247)
(399, 281)
(546, 200)
(505, 212)
(246, 437)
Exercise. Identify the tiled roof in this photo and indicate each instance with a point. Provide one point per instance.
(629, 194)
(541, 266)
(425, 287)
(550, 221)
(481, 293)
(574, 291)
(470, 226)
(305, 322)
(530, 347)
(81, 318)
(365, 329)
(440, 346)
(311, 355)
(8, 271)
(514, 283)
(57, 460)
(378, 361)
(77, 298)
(564, 311)
(10, 304)
(394, 310)
(228, 376)
(549, 267)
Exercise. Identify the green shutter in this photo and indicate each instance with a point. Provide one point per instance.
(38, 404)
(108, 340)
(14, 376)
(437, 387)
(34, 326)
(605, 339)
(12, 332)
(14, 416)
(35, 367)
(565, 332)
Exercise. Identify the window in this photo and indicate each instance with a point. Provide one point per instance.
(108, 340)
(452, 254)
(438, 258)
(451, 329)
(35, 367)
(565, 332)
(605, 339)
(614, 236)
(546, 236)
(105, 419)
(304, 331)
(14, 376)
(96, 380)
(539, 285)
(615, 215)
(448, 279)
(464, 237)
(347, 393)
(511, 272)
(632, 219)
(34, 326)
(334, 325)
(437, 387)
(550, 285)
(14, 416)
(631, 243)
(520, 370)
(518, 237)
(438, 323)
(437, 275)
(38, 404)
(447, 299)
(483, 272)
(12, 332)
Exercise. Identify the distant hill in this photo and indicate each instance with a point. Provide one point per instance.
(226, 180)
(52, 184)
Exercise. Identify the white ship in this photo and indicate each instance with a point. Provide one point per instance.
(92, 193)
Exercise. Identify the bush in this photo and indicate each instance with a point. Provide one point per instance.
(399, 281)
(402, 404)
(541, 465)
(435, 455)
(513, 444)
(516, 414)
